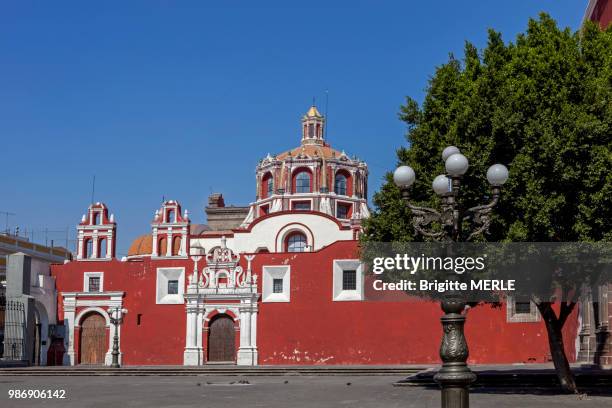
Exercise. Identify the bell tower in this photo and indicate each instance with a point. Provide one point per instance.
(312, 127)
(170, 230)
(96, 234)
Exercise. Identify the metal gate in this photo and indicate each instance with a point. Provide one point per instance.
(12, 322)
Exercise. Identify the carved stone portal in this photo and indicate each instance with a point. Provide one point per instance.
(222, 286)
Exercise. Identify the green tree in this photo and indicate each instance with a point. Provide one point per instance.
(542, 105)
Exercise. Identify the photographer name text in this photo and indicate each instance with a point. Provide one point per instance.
(446, 285)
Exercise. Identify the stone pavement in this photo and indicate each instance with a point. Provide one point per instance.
(270, 392)
(520, 376)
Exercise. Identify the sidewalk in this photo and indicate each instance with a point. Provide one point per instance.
(270, 392)
(522, 376)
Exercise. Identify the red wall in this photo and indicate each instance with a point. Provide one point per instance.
(312, 329)
(160, 338)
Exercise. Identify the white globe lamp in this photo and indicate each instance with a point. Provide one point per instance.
(449, 151)
(456, 164)
(441, 185)
(497, 174)
(404, 176)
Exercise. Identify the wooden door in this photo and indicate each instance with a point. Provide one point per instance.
(94, 343)
(222, 340)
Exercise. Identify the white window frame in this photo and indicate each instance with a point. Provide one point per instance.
(270, 273)
(165, 274)
(294, 175)
(340, 295)
(512, 317)
(300, 200)
(346, 185)
(88, 275)
(342, 202)
(290, 228)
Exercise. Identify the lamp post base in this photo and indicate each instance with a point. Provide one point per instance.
(455, 383)
(455, 376)
(455, 397)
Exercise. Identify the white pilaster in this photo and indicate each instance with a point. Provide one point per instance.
(109, 246)
(69, 315)
(183, 250)
(247, 352)
(199, 341)
(155, 250)
(254, 331)
(95, 248)
(80, 246)
(169, 243)
(193, 351)
(245, 325)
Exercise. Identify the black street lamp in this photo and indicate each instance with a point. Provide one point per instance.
(116, 318)
(455, 376)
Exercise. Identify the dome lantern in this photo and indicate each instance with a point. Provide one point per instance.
(312, 127)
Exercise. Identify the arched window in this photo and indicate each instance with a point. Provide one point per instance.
(88, 248)
(102, 248)
(162, 246)
(296, 242)
(176, 245)
(302, 182)
(267, 188)
(96, 218)
(171, 216)
(270, 186)
(340, 184)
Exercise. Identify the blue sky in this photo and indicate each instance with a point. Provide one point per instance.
(181, 98)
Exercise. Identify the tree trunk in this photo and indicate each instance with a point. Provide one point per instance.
(555, 342)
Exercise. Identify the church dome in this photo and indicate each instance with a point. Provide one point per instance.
(311, 177)
(312, 152)
(143, 245)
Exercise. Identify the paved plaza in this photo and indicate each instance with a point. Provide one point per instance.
(270, 392)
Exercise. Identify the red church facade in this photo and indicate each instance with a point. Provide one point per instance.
(310, 328)
(282, 286)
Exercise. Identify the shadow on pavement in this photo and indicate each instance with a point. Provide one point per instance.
(590, 381)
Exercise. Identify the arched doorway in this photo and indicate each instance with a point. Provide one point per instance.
(41, 332)
(221, 340)
(93, 344)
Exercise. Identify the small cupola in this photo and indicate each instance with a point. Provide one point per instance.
(313, 127)
(170, 231)
(96, 234)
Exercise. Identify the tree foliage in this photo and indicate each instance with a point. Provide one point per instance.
(540, 105)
